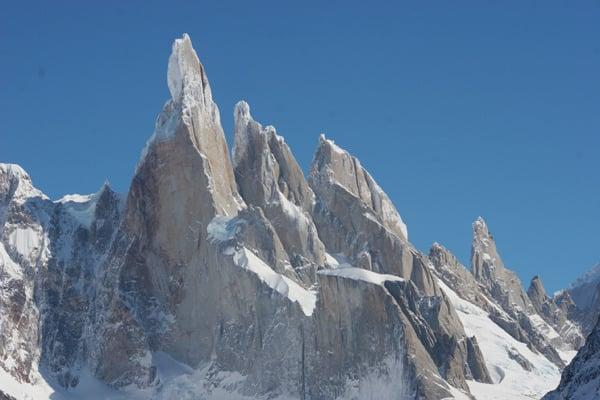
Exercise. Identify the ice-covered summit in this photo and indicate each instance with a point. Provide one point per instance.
(16, 183)
(185, 75)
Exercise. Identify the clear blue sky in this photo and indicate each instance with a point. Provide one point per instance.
(458, 109)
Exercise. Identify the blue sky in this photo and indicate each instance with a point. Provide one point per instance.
(458, 109)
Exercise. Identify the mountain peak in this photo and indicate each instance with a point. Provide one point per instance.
(16, 183)
(333, 165)
(186, 78)
(536, 290)
(480, 228)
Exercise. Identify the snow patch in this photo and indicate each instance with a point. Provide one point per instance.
(8, 266)
(360, 274)
(221, 229)
(247, 260)
(25, 241)
(81, 207)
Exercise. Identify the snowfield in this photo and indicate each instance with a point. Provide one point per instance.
(512, 381)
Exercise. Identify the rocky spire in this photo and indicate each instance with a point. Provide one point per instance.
(489, 270)
(186, 78)
(337, 166)
(183, 181)
(269, 177)
(191, 117)
(537, 292)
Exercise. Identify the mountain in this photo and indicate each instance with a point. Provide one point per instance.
(237, 277)
(581, 379)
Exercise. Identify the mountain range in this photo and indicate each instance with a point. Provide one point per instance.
(232, 275)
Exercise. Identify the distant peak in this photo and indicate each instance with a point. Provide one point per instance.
(16, 182)
(437, 248)
(14, 170)
(242, 111)
(480, 228)
(480, 222)
(244, 125)
(330, 146)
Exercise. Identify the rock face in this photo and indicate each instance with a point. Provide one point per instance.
(270, 178)
(49, 258)
(244, 279)
(556, 314)
(581, 379)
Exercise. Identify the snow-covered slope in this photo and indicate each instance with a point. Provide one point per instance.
(518, 372)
